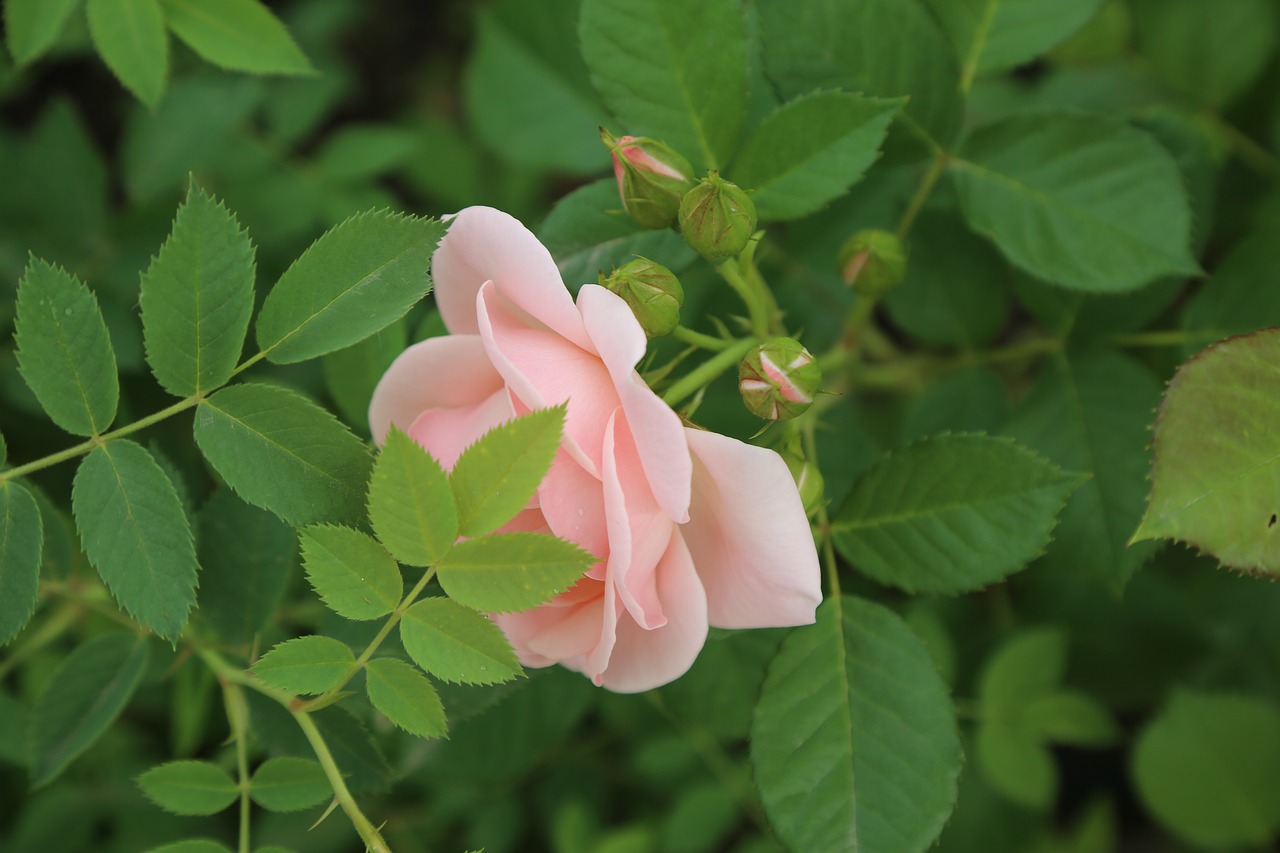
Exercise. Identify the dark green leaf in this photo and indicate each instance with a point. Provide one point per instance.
(971, 400)
(189, 787)
(130, 37)
(32, 26)
(456, 643)
(505, 572)
(1017, 765)
(495, 477)
(136, 535)
(354, 575)
(354, 751)
(1242, 296)
(410, 502)
(289, 784)
(21, 536)
(405, 696)
(991, 36)
(360, 152)
(311, 664)
(241, 35)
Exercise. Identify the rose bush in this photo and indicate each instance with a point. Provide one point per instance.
(691, 528)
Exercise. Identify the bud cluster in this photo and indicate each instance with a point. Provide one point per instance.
(779, 379)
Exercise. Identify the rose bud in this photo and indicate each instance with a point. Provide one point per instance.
(652, 178)
(808, 481)
(873, 262)
(653, 292)
(717, 218)
(779, 379)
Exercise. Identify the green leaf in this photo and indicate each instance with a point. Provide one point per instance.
(991, 36)
(64, 352)
(1079, 200)
(282, 452)
(130, 37)
(405, 696)
(351, 374)
(494, 478)
(1029, 666)
(1073, 718)
(240, 35)
(81, 699)
(197, 296)
(854, 740)
(951, 514)
(1017, 765)
(136, 534)
(311, 664)
(189, 787)
(1217, 455)
(883, 48)
(32, 26)
(289, 784)
(970, 400)
(457, 644)
(1208, 769)
(506, 572)
(811, 150)
(354, 575)
(192, 845)
(359, 152)
(671, 70)
(21, 537)
(1243, 294)
(410, 502)
(359, 277)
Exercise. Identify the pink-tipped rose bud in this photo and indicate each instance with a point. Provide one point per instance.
(873, 262)
(779, 379)
(652, 178)
(653, 292)
(717, 218)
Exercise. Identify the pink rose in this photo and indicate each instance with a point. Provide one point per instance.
(692, 528)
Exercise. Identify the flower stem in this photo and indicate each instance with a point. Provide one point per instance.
(368, 832)
(233, 699)
(698, 339)
(923, 191)
(752, 295)
(708, 370)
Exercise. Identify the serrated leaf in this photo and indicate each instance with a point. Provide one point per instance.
(197, 296)
(1217, 455)
(311, 664)
(64, 352)
(410, 502)
(130, 37)
(282, 452)
(505, 572)
(289, 784)
(406, 697)
(1017, 765)
(189, 787)
(1079, 200)
(854, 739)
(457, 644)
(136, 534)
(21, 539)
(354, 575)
(672, 70)
(357, 278)
(811, 150)
(951, 514)
(241, 35)
(991, 36)
(1208, 769)
(494, 478)
(81, 699)
(32, 26)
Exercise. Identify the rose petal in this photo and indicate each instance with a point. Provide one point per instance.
(483, 244)
(565, 629)
(659, 436)
(573, 502)
(447, 372)
(749, 536)
(445, 433)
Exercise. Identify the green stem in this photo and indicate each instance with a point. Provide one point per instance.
(708, 370)
(368, 832)
(823, 519)
(923, 191)
(1170, 338)
(751, 296)
(1013, 352)
(698, 339)
(1247, 150)
(233, 699)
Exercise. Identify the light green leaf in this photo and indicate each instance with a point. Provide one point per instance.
(197, 296)
(311, 664)
(951, 514)
(457, 644)
(811, 150)
(1073, 718)
(240, 35)
(1017, 765)
(354, 575)
(81, 699)
(282, 452)
(360, 152)
(1208, 769)
(21, 537)
(410, 502)
(854, 740)
(351, 374)
(991, 36)
(1217, 455)
(505, 572)
(64, 352)
(1029, 666)
(1079, 200)
(671, 70)
(289, 784)
(405, 696)
(136, 534)
(130, 37)
(360, 276)
(189, 787)
(494, 478)
(32, 26)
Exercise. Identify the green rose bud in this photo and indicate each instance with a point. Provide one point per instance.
(779, 379)
(808, 481)
(652, 178)
(717, 218)
(873, 262)
(653, 292)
